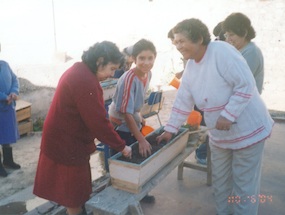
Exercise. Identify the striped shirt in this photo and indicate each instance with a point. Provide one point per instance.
(128, 98)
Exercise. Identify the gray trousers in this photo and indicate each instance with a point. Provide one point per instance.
(236, 179)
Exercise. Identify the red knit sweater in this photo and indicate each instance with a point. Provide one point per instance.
(76, 117)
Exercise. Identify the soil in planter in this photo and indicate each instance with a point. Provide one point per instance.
(137, 158)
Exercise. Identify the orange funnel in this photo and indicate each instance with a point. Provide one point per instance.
(175, 82)
(147, 129)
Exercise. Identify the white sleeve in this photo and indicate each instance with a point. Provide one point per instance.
(240, 77)
(183, 105)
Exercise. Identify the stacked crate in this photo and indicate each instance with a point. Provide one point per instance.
(23, 112)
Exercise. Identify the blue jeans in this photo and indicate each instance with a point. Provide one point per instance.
(201, 151)
(127, 137)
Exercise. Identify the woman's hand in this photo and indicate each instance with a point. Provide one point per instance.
(9, 99)
(166, 136)
(14, 96)
(127, 152)
(223, 124)
(144, 148)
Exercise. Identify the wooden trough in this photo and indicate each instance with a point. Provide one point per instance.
(131, 177)
(109, 88)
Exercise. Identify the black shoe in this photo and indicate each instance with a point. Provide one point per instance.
(3, 172)
(8, 160)
(148, 199)
(12, 165)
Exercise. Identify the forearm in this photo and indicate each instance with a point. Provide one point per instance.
(131, 123)
(144, 145)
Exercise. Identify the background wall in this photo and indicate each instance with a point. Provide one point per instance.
(32, 32)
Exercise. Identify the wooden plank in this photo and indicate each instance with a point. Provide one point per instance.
(206, 168)
(123, 173)
(126, 185)
(23, 110)
(131, 177)
(25, 127)
(20, 104)
(23, 114)
(195, 166)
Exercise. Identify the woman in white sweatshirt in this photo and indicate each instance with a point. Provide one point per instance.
(218, 80)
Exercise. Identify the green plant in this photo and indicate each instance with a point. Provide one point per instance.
(38, 124)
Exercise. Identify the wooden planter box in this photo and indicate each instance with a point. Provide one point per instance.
(131, 176)
(23, 112)
(25, 127)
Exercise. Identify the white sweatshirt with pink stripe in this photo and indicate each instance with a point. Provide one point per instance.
(222, 84)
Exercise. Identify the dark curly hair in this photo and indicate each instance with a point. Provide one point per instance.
(240, 25)
(106, 50)
(170, 34)
(194, 30)
(219, 32)
(143, 45)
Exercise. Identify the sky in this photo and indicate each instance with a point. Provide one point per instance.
(36, 27)
(31, 31)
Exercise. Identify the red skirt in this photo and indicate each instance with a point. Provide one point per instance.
(69, 186)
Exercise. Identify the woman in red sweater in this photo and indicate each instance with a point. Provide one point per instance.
(76, 117)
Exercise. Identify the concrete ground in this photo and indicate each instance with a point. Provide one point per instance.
(192, 196)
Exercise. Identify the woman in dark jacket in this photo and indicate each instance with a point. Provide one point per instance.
(76, 117)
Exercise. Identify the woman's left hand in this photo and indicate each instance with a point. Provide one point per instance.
(14, 96)
(165, 136)
(223, 124)
(127, 152)
(9, 100)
